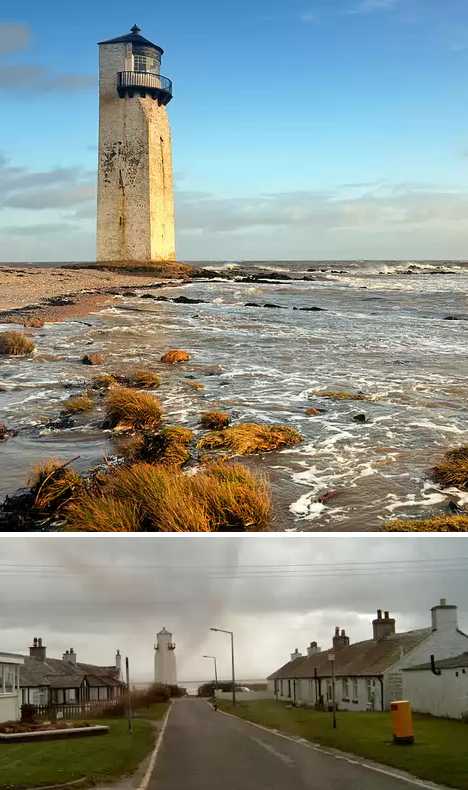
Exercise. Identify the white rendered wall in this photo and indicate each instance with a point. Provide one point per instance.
(135, 206)
(439, 695)
(9, 707)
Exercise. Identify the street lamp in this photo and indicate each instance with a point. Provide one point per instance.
(331, 658)
(231, 634)
(215, 671)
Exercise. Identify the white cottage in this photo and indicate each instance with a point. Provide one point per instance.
(439, 687)
(10, 699)
(368, 674)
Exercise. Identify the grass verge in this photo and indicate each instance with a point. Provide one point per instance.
(438, 754)
(101, 758)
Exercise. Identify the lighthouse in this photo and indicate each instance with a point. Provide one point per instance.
(135, 204)
(164, 659)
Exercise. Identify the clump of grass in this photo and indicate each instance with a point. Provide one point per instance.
(53, 483)
(453, 469)
(196, 385)
(214, 420)
(103, 381)
(77, 404)
(445, 523)
(175, 355)
(248, 438)
(340, 395)
(312, 411)
(127, 409)
(143, 379)
(15, 344)
(95, 358)
(145, 497)
(169, 447)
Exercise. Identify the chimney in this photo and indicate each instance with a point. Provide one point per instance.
(444, 616)
(296, 654)
(69, 656)
(383, 626)
(38, 650)
(313, 649)
(340, 639)
(118, 662)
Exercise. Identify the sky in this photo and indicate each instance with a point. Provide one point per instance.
(312, 129)
(100, 593)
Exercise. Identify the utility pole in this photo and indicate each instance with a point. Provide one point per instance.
(129, 698)
(231, 634)
(331, 658)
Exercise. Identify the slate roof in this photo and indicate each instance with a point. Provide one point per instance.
(457, 662)
(56, 673)
(132, 38)
(366, 658)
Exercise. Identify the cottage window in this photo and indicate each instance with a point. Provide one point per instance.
(345, 688)
(355, 689)
(7, 678)
(70, 695)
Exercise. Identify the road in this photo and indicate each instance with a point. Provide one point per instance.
(205, 750)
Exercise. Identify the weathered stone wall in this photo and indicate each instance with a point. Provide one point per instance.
(135, 213)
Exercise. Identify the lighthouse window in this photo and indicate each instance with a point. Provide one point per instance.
(144, 63)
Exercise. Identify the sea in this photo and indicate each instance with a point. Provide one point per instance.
(393, 332)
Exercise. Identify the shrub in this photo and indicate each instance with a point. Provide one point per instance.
(453, 469)
(143, 379)
(445, 523)
(77, 404)
(53, 484)
(15, 344)
(249, 438)
(168, 447)
(127, 409)
(214, 420)
(175, 355)
(340, 395)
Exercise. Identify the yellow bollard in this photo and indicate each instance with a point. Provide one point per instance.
(402, 722)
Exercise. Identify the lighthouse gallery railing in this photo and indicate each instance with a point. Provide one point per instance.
(143, 79)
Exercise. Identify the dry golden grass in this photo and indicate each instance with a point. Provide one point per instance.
(145, 497)
(435, 524)
(196, 385)
(102, 381)
(312, 411)
(175, 355)
(214, 420)
(143, 379)
(249, 437)
(15, 344)
(127, 409)
(169, 447)
(77, 404)
(91, 513)
(340, 395)
(52, 484)
(453, 469)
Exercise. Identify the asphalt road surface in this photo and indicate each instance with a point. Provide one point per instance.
(206, 750)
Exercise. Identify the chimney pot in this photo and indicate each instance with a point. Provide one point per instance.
(379, 614)
(443, 601)
(387, 615)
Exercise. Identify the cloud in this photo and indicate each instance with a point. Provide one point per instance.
(34, 78)
(276, 594)
(370, 6)
(14, 37)
(57, 188)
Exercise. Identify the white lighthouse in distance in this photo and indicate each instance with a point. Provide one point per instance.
(165, 671)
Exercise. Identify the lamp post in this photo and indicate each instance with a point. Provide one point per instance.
(331, 658)
(231, 634)
(215, 671)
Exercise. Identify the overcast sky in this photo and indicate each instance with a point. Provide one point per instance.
(307, 129)
(97, 594)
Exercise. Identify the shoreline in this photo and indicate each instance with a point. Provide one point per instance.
(33, 296)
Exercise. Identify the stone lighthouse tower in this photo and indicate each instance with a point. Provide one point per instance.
(135, 206)
(164, 659)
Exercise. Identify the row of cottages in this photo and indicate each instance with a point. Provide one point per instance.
(370, 674)
(57, 681)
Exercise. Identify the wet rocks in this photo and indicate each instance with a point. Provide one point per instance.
(174, 356)
(95, 358)
(6, 433)
(311, 309)
(360, 418)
